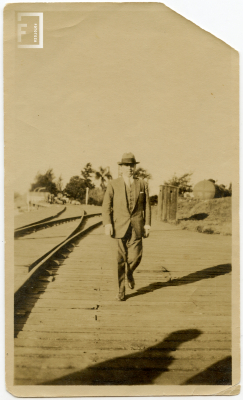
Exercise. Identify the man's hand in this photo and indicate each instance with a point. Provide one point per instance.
(146, 231)
(108, 230)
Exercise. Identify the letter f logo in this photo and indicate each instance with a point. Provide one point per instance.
(36, 32)
(20, 32)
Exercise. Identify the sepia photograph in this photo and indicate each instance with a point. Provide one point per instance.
(121, 202)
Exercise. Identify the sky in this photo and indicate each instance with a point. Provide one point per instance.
(105, 83)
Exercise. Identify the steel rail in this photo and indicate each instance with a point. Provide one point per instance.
(42, 220)
(43, 225)
(40, 265)
(31, 266)
(77, 229)
(48, 222)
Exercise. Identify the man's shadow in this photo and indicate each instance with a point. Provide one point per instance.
(207, 273)
(219, 373)
(139, 368)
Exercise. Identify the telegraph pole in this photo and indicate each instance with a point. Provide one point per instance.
(87, 195)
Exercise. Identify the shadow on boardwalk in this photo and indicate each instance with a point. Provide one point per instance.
(207, 273)
(134, 369)
(144, 367)
(219, 373)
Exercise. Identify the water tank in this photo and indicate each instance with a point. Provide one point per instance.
(204, 190)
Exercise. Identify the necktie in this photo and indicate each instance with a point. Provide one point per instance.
(130, 196)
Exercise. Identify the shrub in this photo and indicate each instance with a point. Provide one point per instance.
(153, 200)
(96, 197)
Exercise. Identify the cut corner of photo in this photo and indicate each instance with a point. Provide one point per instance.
(122, 272)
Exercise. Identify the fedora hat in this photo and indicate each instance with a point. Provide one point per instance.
(128, 158)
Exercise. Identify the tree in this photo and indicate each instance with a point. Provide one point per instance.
(153, 200)
(183, 182)
(103, 175)
(86, 174)
(221, 190)
(76, 188)
(142, 173)
(45, 181)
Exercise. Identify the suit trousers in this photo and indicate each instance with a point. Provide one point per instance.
(128, 251)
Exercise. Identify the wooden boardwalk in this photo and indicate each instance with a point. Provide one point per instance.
(173, 329)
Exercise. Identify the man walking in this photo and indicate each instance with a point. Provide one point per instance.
(127, 219)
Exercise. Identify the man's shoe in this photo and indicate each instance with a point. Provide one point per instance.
(121, 296)
(130, 281)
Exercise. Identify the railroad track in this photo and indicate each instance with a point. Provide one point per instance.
(44, 224)
(42, 220)
(43, 268)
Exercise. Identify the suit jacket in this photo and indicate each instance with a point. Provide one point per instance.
(116, 212)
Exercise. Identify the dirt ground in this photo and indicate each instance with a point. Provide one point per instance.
(204, 216)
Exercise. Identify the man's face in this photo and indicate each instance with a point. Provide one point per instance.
(128, 169)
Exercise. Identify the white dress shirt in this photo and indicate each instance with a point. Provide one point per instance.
(128, 181)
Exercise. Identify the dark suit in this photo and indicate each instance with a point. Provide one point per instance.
(128, 222)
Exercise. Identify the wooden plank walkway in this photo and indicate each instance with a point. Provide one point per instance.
(173, 329)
